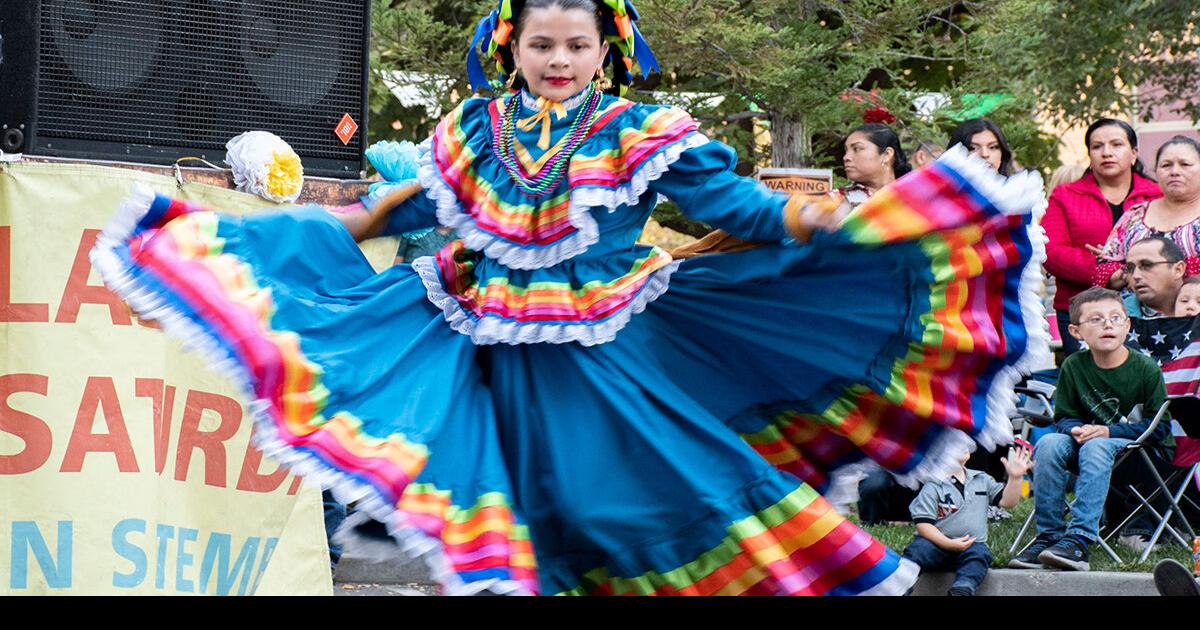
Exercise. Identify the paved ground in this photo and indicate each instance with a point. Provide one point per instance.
(357, 576)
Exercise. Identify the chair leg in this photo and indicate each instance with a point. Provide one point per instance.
(1021, 534)
(1163, 524)
(1112, 554)
(1164, 520)
(1167, 491)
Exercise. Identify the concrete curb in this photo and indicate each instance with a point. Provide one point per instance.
(1045, 582)
(360, 569)
(412, 578)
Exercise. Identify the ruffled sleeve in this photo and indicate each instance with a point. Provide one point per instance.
(703, 184)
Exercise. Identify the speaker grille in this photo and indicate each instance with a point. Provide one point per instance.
(194, 73)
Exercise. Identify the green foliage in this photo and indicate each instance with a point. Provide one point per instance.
(789, 60)
(1080, 58)
(427, 37)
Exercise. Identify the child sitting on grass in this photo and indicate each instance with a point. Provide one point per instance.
(951, 518)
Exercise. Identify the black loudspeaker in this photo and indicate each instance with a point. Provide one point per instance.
(156, 80)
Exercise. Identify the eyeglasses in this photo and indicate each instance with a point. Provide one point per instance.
(1098, 320)
(1143, 265)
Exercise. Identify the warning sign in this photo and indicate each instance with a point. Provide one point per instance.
(809, 182)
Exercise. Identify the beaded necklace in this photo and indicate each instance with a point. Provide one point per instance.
(551, 175)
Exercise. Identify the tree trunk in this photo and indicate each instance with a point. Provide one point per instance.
(790, 145)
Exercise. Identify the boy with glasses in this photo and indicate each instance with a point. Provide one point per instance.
(1097, 392)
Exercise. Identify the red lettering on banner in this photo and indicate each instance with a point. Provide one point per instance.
(251, 480)
(31, 429)
(211, 442)
(10, 311)
(99, 393)
(295, 485)
(162, 399)
(78, 292)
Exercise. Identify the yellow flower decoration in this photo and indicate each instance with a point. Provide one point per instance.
(265, 165)
(285, 175)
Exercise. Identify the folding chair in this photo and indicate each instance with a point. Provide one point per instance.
(1186, 410)
(1133, 447)
(1036, 407)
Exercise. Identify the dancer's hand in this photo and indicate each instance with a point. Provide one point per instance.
(364, 223)
(802, 219)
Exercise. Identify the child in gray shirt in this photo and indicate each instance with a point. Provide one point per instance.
(951, 518)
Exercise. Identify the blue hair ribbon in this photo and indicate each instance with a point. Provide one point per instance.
(475, 73)
(641, 51)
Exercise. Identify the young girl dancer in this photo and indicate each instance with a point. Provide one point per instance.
(580, 414)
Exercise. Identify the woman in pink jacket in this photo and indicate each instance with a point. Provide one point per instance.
(1083, 213)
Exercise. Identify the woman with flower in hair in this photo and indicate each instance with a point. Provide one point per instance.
(873, 159)
(580, 414)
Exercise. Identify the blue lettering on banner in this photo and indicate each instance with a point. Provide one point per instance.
(27, 537)
(218, 549)
(165, 533)
(129, 551)
(183, 559)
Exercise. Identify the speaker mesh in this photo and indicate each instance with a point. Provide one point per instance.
(194, 73)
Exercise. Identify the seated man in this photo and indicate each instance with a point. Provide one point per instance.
(1097, 390)
(1155, 269)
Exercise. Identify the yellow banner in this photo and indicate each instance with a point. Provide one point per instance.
(125, 464)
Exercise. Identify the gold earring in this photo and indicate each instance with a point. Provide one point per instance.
(512, 79)
(602, 82)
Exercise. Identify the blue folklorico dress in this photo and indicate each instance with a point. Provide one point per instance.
(547, 407)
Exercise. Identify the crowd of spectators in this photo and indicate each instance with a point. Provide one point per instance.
(1123, 243)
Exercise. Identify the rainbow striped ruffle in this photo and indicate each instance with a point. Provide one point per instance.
(797, 546)
(973, 343)
(578, 301)
(627, 146)
(165, 258)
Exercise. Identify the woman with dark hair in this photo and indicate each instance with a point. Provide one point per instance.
(873, 159)
(983, 138)
(1080, 215)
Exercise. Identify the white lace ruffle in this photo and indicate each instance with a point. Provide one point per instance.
(450, 213)
(149, 305)
(492, 330)
(584, 199)
(630, 193)
(1018, 194)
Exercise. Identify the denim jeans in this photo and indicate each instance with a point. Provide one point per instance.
(1055, 456)
(970, 565)
(335, 513)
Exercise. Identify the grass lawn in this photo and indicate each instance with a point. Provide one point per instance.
(1002, 533)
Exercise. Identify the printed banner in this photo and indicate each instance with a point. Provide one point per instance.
(125, 465)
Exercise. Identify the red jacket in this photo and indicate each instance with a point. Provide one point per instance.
(1078, 214)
